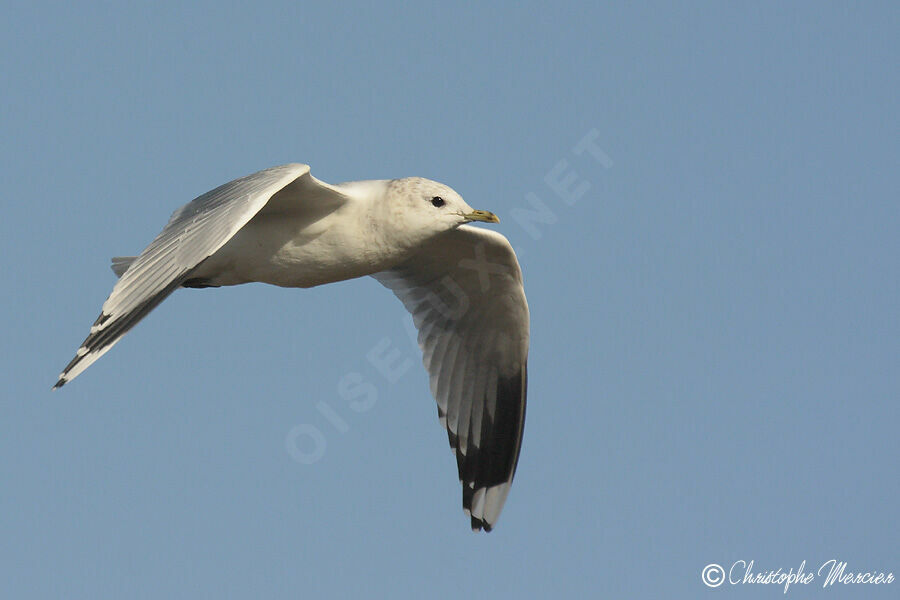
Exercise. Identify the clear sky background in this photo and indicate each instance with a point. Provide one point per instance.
(715, 331)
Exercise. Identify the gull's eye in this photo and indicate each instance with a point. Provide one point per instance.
(437, 201)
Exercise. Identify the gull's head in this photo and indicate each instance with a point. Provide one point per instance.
(430, 207)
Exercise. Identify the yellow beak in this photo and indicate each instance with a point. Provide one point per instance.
(482, 215)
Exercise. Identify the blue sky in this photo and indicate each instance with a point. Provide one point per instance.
(713, 369)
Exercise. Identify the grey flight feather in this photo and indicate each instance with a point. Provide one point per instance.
(194, 232)
(464, 291)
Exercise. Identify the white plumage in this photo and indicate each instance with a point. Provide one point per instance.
(462, 285)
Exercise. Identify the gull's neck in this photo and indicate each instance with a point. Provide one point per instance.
(388, 238)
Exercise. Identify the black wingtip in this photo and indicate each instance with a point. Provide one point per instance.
(481, 525)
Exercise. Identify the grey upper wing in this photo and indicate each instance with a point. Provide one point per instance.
(194, 232)
(464, 291)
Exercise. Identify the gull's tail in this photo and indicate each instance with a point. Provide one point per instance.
(120, 264)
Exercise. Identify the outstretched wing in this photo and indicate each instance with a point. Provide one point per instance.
(464, 291)
(194, 232)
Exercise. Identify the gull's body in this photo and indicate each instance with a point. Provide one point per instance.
(309, 247)
(462, 285)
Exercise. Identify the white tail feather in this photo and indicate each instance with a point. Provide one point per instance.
(120, 264)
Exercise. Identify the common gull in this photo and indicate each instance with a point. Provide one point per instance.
(462, 285)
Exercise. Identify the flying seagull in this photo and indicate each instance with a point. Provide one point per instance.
(462, 285)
